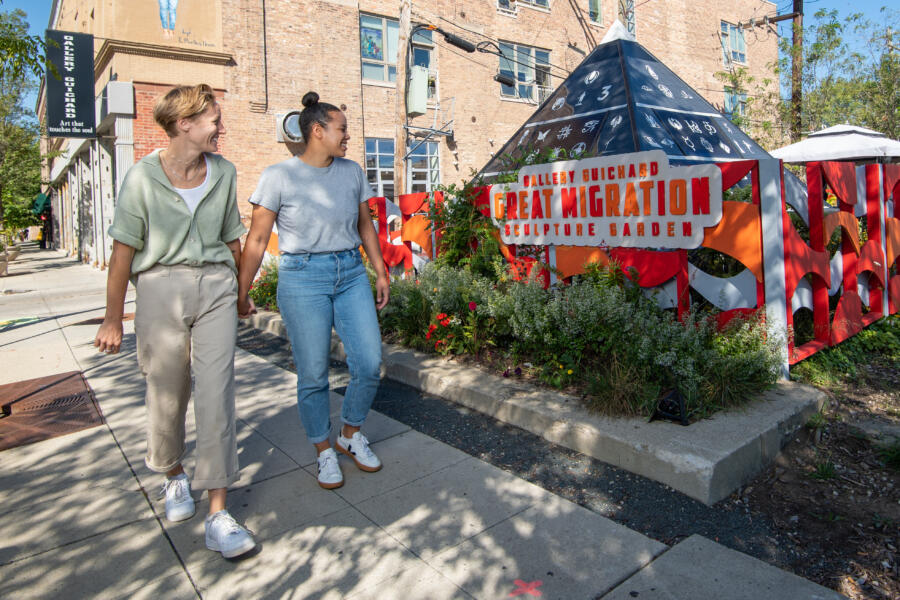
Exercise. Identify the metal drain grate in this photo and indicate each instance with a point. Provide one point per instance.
(47, 407)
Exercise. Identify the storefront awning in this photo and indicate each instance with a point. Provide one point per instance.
(41, 204)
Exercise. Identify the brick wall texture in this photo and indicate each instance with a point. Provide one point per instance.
(314, 45)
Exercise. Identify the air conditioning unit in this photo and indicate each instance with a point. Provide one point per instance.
(287, 127)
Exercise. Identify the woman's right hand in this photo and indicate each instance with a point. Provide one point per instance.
(246, 306)
(109, 337)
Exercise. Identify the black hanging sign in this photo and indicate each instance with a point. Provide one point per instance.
(70, 98)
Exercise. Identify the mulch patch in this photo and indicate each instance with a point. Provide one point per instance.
(35, 410)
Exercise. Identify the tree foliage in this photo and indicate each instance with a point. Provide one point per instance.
(20, 157)
(843, 82)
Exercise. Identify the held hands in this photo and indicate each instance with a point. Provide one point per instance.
(109, 337)
(245, 306)
(382, 291)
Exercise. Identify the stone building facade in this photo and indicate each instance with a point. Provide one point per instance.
(262, 56)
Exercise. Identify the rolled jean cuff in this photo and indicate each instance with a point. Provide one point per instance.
(214, 484)
(156, 469)
(352, 423)
(319, 438)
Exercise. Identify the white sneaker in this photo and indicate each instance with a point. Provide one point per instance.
(357, 448)
(225, 535)
(329, 472)
(179, 503)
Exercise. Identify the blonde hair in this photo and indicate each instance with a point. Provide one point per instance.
(182, 102)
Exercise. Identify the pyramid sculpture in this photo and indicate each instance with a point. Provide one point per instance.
(622, 99)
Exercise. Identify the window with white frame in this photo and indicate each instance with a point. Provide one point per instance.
(626, 15)
(378, 42)
(733, 46)
(735, 103)
(530, 67)
(423, 171)
(507, 6)
(422, 48)
(380, 166)
(541, 3)
(594, 11)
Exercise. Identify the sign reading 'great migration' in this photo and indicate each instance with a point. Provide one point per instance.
(70, 98)
(634, 200)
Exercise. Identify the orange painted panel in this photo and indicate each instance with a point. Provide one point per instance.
(847, 317)
(570, 260)
(892, 231)
(272, 246)
(845, 220)
(800, 260)
(739, 235)
(871, 259)
(894, 293)
(417, 230)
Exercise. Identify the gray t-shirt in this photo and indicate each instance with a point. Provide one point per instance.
(318, 207)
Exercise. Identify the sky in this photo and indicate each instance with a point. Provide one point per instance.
(38, 11)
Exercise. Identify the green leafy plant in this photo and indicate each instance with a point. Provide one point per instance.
(824, 470)
(264, 290)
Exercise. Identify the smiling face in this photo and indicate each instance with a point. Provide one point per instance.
(203, 130)
(333, 136)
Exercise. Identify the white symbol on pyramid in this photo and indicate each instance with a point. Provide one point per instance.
(564, 132)
(684, 94)
(675, 123)
(724, 147)
(709, 127)
(578, 148)
(688, 142)
(667, 142)
(591, 77)
(707, 145)
(665, 90)
(651, 141)
(590, 126)
(580, 98)
(558, 104)
(651, 120)
(617, 120)
(542, 135)
(524, 136)
(692, 125)
(646, 88)
(652, 72)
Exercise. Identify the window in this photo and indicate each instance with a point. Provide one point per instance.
(528, 66)
(423, 172)
(422, 56)
(507, 6)
(594, 10)
(626, 14)
(380, 166)
(733, 45)
(541, 3)
(378, 41)
(735, 103)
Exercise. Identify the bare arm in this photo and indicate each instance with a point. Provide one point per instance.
(369, 239)
(109, 337)
(261, 223)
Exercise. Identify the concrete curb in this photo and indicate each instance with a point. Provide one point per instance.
(706, 461)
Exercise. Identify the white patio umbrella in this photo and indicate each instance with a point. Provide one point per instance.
(841, 142)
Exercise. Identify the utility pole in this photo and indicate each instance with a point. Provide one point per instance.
(797, 71)
(400, 132)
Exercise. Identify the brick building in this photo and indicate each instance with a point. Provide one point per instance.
(262, 55)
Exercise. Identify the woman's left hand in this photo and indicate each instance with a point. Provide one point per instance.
(382, 291)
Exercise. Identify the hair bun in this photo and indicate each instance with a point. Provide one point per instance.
(310, 98)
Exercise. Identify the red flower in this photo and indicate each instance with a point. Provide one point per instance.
(445, 322)
(432, 327)
(438, 343)
(428, 336)
(441, 316)
(472, 306)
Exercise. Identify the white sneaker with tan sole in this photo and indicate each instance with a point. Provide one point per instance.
(357, 448)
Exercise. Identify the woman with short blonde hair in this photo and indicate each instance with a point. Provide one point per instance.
(176, 236)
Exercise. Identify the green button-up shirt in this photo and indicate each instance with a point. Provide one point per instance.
(152, 217)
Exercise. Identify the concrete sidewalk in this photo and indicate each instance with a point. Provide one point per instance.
(80, 516)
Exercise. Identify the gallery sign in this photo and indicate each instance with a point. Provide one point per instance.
(630, 200)
(70, 98)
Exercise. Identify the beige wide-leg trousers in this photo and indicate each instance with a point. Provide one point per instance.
(186, 319)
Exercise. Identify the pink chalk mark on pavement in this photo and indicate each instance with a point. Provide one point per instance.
(530, 588)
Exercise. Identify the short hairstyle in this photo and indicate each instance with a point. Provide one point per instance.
(182, 102)
(314, 112)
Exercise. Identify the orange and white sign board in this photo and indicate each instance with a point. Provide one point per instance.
(630, 200)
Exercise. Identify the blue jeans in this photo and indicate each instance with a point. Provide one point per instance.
(316, 292)
(167, 9)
